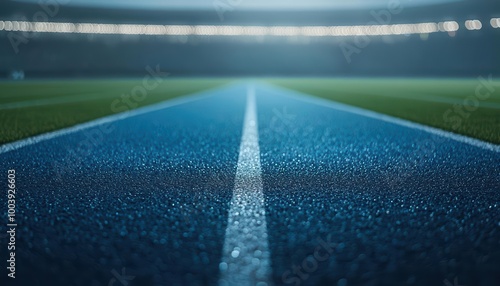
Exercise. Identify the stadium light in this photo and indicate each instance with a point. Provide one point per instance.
(473, 25)
(495, 23)
(215, 30)
(448, 26)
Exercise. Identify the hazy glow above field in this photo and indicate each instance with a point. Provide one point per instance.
(246, 4)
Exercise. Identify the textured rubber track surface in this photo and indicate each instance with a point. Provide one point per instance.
(349, 199)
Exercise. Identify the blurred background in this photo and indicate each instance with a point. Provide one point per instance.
(453, 38)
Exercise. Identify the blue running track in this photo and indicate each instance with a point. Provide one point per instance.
(350, 199)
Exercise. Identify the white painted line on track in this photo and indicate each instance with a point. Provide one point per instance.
(105, 120)
(387, 118)
(246, 256)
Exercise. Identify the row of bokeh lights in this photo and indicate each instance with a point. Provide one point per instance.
(205, 30)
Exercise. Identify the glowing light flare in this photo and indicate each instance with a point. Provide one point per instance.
(472, 25)
(285, 31)
(256, 31)
(448, 26)
(213, 30)
(179, 30)
(495, 23)
(8, 26)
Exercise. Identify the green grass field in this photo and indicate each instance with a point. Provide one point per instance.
(31, 108)
(42, 106)
(428, 101)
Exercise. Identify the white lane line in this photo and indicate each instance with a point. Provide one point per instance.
(387, 118)
(246, 256)
(105, 120)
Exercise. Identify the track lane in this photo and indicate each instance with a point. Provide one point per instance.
(386, 204)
